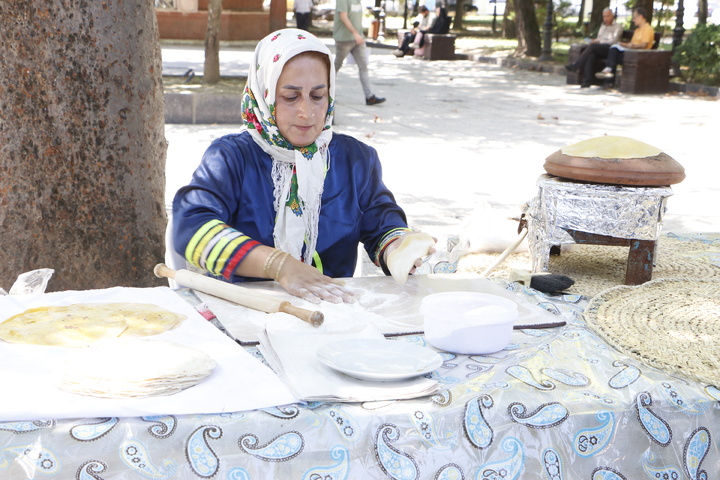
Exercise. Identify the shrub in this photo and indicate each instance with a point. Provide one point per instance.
(699, 55)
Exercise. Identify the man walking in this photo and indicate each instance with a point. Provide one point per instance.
(347, 26)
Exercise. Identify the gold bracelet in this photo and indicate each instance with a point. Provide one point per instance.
(268, 262)
(280, 265)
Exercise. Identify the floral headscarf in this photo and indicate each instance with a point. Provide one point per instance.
(298, 174)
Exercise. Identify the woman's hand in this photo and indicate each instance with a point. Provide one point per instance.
(308, 283)
(298, 278)
(396, 243)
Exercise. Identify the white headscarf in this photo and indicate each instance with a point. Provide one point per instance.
(295, 224)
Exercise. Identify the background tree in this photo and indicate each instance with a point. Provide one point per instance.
(528, 31)
(647, 5)
(211, 70)
(509, 28)
(82, 143)
(457, 23)
(702, 12)
(581, 16)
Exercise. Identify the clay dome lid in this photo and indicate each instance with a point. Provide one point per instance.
(616, 160)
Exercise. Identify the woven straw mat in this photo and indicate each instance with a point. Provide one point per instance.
(596, 268)
(670, 324)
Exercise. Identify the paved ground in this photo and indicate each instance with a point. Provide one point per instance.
(455, 137)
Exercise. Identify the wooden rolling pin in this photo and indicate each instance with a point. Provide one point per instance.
(240, 295)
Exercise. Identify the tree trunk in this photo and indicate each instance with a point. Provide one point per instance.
(581, 16)
(509, 27)
(278, 14)
(458, 20)
(211, 71)
(702, 12)
(82, 143)
(528, 31)
(648, 6)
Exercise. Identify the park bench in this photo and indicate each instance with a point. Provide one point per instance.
(642, 71)
(436, 46)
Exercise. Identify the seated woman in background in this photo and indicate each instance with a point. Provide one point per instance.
(286, 198)
(440, 25)
(422, 22)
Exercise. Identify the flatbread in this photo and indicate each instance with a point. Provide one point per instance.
(82, 324)
(133, 368)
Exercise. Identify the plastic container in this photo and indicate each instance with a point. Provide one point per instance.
(467, 322)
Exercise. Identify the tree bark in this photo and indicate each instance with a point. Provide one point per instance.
(509, 27)
(82, 143)
(278, 14)
(211, 71)
(702, 12)
(528, 31)
(581, 16)
(648, 6)
(458, 20)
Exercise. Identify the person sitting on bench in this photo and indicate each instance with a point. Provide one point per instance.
(643, 39)
(440, 25)
(609, 34)
(422, 22)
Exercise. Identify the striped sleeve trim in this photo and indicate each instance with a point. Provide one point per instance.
(389, 237)
(192, 246)
(218, 248)
(215, 252)
(239, 256)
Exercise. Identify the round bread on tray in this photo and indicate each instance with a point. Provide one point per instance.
(615, 160)
(133, 368)
(82, 324)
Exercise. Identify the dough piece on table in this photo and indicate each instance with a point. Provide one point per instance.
(411, 247)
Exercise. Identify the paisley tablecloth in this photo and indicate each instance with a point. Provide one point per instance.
(556, 404)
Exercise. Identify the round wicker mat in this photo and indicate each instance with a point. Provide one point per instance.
(671, 324)
(596, 268)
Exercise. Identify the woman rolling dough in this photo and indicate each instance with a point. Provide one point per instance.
(286, 198)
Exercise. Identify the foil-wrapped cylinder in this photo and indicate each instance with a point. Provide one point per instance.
(602, 209)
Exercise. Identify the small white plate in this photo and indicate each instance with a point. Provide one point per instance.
(380, 360)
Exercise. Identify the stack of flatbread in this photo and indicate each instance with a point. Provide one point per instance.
(133, 368)
(82, 324)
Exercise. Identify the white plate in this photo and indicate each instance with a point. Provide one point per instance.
(375, 359)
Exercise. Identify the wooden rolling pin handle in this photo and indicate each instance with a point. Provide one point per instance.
(313, 318)
(239, 295)
(163, 271)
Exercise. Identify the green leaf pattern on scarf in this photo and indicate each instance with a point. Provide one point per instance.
(293, 201)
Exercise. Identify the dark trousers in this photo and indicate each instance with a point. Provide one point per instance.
(407, 40)
(303, 20)
(586, 62)
(614, 58)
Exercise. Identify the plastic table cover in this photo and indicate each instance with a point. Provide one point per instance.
(555, 404)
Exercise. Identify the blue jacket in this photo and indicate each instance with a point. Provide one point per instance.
(233, 185)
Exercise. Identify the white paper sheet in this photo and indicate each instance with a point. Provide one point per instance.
(294, 356)
(392, 308)
(239, 382)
